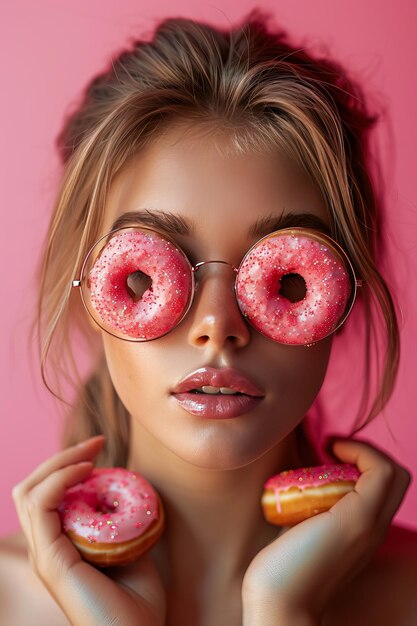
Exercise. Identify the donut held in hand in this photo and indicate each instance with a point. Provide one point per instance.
(294, 495)
(113, 517)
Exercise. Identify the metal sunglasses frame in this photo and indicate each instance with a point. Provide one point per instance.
(302, 231)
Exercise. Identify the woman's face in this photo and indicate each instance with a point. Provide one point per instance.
(182, 173)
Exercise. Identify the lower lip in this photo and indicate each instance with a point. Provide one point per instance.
(216, 407)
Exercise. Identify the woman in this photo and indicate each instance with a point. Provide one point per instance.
(214, 140)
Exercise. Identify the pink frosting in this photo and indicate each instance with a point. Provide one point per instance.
(327, 289)
(312, 476)
(161, 305)
(112, 505)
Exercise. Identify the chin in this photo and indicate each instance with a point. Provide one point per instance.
(230, 454)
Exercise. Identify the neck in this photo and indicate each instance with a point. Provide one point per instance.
(208, 509)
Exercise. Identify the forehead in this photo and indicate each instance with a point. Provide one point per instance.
(198, 174)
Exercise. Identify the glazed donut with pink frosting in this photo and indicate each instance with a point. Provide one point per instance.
(140, 285)
(294, 495)
(327, 288)
(113, 516)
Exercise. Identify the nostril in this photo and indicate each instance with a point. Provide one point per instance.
(201, 340)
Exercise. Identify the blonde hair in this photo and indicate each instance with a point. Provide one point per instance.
(264, 93)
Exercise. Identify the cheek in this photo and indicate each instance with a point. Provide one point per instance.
(142, 374)
(298, 375)
(127, 370)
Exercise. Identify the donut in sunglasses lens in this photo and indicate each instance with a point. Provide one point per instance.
(295, 286)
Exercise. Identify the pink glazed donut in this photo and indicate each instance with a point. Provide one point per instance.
(327, 287)
(112, 517)
(140, 285)
(294, 495)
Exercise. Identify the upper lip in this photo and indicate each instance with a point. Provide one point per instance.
(225, 377)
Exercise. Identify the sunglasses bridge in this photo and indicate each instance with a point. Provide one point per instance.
(198, 265)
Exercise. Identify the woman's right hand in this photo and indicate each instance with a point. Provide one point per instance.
(129, 595)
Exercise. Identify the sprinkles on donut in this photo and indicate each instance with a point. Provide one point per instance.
(112, 517)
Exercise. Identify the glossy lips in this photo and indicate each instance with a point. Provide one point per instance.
(217, 406)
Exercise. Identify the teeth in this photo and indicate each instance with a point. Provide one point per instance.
(208, 389)
(213, 390)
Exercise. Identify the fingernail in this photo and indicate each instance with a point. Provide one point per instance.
(329, 444)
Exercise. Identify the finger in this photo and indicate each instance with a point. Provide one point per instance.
(26, 505)
(44, 500)
(45, 531)
(377, 470)
(396, 494)
(84, 451)
(380, 529)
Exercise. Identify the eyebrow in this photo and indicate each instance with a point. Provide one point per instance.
(174, 224)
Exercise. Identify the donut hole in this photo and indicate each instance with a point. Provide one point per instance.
(103, 507)
(137, 283)
(292, 287)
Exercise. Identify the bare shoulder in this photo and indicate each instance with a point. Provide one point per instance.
(23, 598)
(384, 592)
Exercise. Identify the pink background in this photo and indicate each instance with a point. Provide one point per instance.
(50, 50)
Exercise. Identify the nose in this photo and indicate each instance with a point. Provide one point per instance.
(216, 319)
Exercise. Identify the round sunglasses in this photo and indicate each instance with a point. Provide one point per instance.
(295, 286)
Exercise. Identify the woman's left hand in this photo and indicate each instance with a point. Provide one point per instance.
(300, 571)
